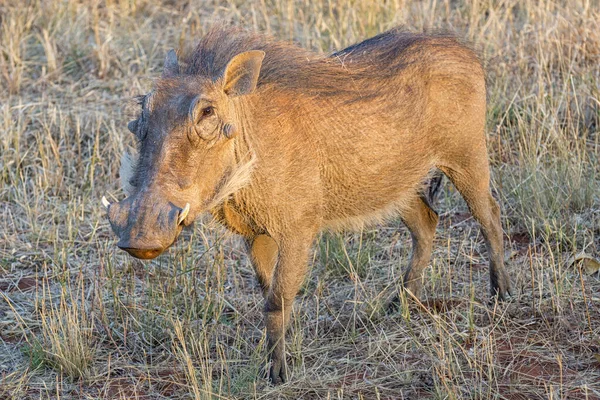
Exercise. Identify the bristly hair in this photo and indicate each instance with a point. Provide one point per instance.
(356, 73)
(285, 65)
(127, 171)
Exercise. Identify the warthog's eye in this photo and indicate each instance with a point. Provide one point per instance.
(208, 111)
(203, 120)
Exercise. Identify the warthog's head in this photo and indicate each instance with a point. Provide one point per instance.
(187, 161)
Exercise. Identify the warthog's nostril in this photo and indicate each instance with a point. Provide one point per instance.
(183, 214)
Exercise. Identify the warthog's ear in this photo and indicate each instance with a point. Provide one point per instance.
(171, 64)
(241, 74)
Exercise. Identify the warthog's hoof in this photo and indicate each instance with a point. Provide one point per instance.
(393, 305)
(500, 297)
(277, 372)
(500, 287)
(411, 292)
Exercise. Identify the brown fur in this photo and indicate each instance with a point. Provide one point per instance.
(320, 142)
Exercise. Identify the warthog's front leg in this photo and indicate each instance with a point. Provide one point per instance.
(264, 252)
(287, 278)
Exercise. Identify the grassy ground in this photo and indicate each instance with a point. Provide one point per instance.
(80, 319)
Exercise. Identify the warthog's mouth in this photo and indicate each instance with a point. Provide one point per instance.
(143, 254)
(145, 229)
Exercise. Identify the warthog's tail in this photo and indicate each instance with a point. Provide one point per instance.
(432, 187)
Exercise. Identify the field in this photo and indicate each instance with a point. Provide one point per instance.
(81, 319)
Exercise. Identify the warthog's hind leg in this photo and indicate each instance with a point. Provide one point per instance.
(473, 185)
(421, 220)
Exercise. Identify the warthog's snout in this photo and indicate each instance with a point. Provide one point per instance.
(144, 225)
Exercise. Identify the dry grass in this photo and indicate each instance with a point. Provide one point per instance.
(79, 319)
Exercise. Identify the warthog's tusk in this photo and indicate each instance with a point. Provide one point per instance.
(184, 213)
(105, 202)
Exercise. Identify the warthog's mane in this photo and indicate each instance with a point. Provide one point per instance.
(357, 73)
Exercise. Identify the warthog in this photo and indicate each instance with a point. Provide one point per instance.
(279, 143)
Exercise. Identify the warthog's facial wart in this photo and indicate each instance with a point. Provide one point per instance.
(186, 157)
